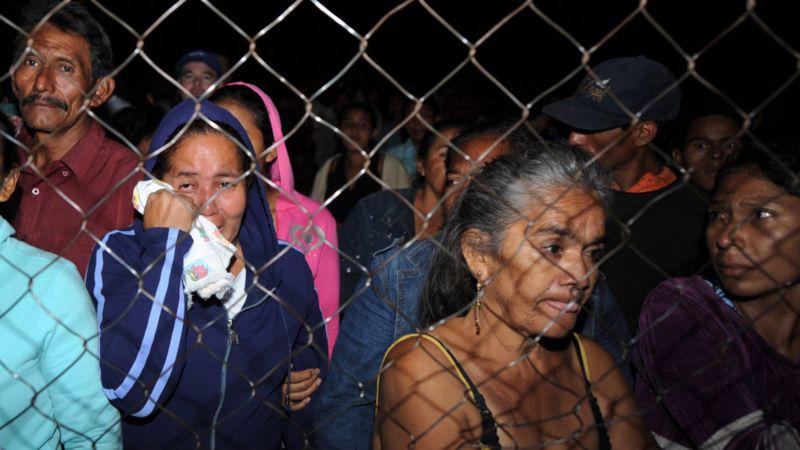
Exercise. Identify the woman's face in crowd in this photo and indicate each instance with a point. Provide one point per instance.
(709, 142)
(432, 167)
(753, 235)
(546, 268)
(358, 126)
(206, 168)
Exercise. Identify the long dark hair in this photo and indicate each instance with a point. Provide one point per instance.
(496, 198)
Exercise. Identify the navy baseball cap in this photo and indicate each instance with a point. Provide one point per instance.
(211, 59)
(641, 84)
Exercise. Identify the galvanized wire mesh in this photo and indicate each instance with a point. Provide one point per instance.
(531, 403)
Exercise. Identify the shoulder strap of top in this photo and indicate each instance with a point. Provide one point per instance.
(602, 431)
(440, 345)
(489, 437)
(581, 351)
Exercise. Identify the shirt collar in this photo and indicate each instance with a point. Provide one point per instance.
(82, 157)
(653, 181)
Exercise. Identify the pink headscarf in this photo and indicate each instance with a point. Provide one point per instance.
(294, 211)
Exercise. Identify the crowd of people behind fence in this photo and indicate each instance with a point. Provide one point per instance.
(619, 271)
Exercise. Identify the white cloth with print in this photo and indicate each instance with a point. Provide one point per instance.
(205, 264)
(234, 302)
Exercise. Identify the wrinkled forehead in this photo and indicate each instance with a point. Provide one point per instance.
(49, 40)
(206, 152)
(569, 211)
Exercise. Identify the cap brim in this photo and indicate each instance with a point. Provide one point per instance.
(581, 116)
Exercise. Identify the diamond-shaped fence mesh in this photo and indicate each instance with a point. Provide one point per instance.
(414, 224)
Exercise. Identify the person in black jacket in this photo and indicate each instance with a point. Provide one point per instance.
(656, 222)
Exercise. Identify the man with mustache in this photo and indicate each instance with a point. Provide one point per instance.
(76, 183)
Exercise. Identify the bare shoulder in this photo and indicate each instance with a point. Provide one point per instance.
(417, 357)
(419, 366)
(421, 398)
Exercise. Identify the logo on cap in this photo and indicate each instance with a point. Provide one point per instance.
(596, 90)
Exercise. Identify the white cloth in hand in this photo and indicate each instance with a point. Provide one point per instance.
(205, 264)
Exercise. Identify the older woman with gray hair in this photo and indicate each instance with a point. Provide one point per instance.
(499, 364)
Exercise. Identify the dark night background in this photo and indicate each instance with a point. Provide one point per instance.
(527, 55)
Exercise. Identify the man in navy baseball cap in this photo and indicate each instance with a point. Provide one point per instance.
(655, 226)
(197, 70)
(621, 89)
(603, 111)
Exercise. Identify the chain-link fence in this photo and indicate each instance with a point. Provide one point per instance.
(408, 225)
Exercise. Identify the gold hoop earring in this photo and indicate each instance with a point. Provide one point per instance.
(479, 293)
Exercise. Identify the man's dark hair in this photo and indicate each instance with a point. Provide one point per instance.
(72, 18)
(704, 108)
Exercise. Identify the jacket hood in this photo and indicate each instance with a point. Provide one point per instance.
(257, 236)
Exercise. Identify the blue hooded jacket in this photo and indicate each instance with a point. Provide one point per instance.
(175, 371)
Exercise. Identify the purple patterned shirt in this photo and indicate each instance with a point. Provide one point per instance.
(707, 379)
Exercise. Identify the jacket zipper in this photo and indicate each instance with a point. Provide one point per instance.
(233, 339)
(223, 382)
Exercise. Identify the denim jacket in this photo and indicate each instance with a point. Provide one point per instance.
(378, 221)
(386, 310)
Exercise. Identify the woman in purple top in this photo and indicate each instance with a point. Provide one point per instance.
(718, 360)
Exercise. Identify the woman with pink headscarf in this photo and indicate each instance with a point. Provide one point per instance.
(300, 221)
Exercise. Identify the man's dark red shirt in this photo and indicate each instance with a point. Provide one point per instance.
(75, 201)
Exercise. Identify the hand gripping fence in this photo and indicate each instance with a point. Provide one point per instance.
(330, 296)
